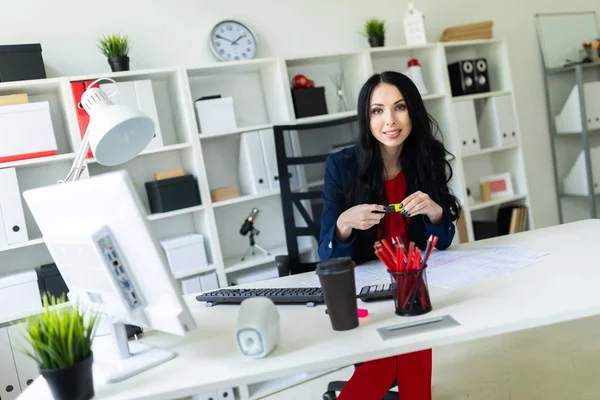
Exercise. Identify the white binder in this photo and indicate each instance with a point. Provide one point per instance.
(140, 96)
(147, 105)
(9, 381)
(27, 369)
(575, 182)
(3, 239)
(497, 125)
(467, 125)
(569, 118)
(11, 208)
(252, 172)
(267, 144)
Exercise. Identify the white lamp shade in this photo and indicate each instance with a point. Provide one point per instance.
(119, 133)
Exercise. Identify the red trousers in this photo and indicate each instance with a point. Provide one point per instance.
(372, 379)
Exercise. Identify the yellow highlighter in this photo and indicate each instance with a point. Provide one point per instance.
(394, 208)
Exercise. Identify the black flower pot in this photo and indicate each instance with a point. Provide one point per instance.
(74, 382)
(119, 63)
(377, 41)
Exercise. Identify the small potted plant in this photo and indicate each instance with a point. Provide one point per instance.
(375, 32)
(60, 338)
(116, 49)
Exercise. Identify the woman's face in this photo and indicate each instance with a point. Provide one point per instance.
(390, 122)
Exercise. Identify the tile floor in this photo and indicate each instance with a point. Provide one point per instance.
(557, 362)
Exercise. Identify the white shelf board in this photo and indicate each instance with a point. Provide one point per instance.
(22, 245)
(325, 117)
(319, 59)
(18, 317)
(206, 136)
(393, 49)
(474, 42)
(262, 389)
(234, 264)
(156, 73)
(243, 199)
(433, 96)
(478, 96)
(490, 150)
(480, 205)
(34, 86)
(230, 67)
(316, 183)
(162, 149)
(195, 271)
(33, 162)
(174, 213)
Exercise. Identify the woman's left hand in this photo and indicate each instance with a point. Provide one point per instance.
(420, 203)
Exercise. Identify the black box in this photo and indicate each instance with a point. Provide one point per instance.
(21, 62)
(462, 77)
(309, 101)
(173, 193)
(51, 281)
(485, 229)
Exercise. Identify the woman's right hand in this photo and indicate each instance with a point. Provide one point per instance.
(362, 217)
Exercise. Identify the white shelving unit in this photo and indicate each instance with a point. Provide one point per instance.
(262, 98)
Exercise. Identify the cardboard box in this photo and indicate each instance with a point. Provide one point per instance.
(225, 193)
(10, 99)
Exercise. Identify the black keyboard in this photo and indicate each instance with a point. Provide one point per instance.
(376, 292)
(306, 295)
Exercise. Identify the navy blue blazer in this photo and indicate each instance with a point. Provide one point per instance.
(338, 178)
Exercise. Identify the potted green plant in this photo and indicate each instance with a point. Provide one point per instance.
(116, 49)
(60, 342)
(375, 31)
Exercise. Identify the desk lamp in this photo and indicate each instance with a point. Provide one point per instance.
(116, 133)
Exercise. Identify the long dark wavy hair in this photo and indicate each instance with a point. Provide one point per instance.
(423, 156)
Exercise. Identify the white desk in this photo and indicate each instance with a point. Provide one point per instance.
(563, 287)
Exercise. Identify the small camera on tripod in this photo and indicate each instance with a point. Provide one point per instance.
(249, 229)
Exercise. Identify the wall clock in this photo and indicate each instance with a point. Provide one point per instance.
(231, 40)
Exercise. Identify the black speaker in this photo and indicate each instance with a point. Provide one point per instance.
(462, 77)
(482, 81)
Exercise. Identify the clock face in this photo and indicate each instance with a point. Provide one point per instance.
(232, 40)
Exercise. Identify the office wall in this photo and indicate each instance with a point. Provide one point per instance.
(174, 32)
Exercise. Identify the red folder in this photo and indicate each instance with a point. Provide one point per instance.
(78, 88)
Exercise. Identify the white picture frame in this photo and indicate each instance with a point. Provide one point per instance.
(500, 185)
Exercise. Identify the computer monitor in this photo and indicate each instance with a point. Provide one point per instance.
(98, 234)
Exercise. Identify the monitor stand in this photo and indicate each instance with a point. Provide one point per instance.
(119, 359)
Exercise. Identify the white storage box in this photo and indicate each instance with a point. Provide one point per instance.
(26, 132)
(19, 293)
(216, 115)
(185, 253)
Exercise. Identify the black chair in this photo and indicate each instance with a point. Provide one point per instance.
(331, 135)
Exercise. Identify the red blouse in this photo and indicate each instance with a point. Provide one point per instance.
(395, 223)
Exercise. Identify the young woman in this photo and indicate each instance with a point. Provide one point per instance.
(396, 159)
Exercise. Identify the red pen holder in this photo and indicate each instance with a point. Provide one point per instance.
(411, 293)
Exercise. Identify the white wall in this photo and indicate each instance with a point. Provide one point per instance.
(175, 33)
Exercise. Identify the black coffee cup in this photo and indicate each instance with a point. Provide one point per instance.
(339, 292)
